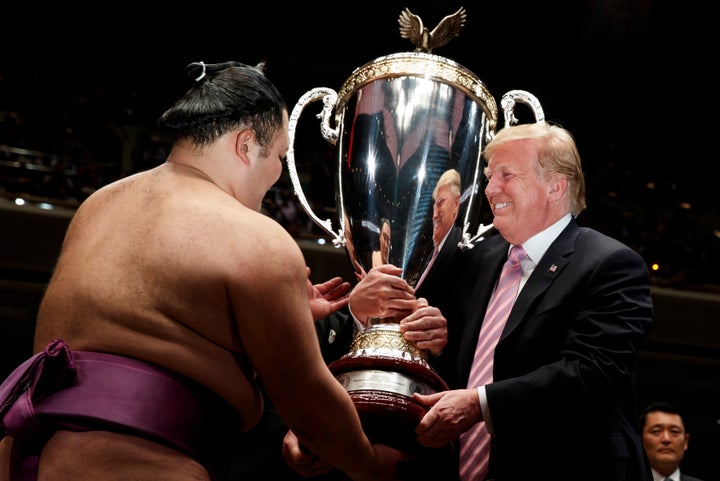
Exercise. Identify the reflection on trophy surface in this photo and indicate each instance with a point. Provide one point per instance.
(398, 124)
(397, 136)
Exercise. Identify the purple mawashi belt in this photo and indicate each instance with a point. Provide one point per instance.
(59, 389)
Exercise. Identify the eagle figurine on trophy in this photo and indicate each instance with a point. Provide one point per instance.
(411, 27)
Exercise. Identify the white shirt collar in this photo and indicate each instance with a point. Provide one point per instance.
(675, 475)
(537, 245)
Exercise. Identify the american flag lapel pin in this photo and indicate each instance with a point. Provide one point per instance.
(553, 268)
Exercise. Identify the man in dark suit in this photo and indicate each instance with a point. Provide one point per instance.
(438, 283)
(665, 440)
(560, 402)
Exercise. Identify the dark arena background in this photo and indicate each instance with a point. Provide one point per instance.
(81, 87)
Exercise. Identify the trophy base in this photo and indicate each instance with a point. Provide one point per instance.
(390, 419)
(381, 374)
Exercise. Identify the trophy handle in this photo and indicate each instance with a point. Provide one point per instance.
(509, 100)
(330, 134)
(468, 242)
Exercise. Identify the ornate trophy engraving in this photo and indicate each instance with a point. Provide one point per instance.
(398, 123)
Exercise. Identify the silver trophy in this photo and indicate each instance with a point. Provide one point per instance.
(398, 123)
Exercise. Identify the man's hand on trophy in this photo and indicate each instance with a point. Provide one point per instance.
(382, 294)
(450, 413)
(327, 297)
(426, 327)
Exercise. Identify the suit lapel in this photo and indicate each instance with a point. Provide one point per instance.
(547, 270)
(442, 267)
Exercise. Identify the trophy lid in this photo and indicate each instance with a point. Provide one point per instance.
(422, 63)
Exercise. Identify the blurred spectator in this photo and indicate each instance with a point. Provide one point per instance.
(665, 441)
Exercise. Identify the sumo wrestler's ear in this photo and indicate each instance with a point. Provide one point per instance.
(242, 142)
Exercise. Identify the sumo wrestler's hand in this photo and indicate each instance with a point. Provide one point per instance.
(327, 297)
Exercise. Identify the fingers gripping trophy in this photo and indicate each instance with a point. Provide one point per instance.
(398, 123)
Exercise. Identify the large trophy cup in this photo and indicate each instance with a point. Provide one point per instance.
(398, 123)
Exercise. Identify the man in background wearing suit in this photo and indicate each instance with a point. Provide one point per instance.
(665, 440)
(560, 400)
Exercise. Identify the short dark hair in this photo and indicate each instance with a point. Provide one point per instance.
(662, 406)
(225, 96)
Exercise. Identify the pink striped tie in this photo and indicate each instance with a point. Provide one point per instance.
(475, 443)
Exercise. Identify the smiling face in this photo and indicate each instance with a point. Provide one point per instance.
(665, 441)
(445, 211)
(522, 201)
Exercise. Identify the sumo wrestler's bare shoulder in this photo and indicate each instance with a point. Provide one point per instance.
(269, 243)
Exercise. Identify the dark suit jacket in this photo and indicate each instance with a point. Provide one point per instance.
(684, 477)
(442, 288)
(563, 401)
